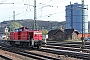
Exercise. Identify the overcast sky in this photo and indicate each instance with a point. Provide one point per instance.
(45, 11)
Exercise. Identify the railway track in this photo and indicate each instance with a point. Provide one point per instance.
(67, 52)
(49, 52)
(5, 58)
(71, 44)
(30, 54)
(70, 49)
(38, 55)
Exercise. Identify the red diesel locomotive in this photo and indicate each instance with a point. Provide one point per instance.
(26, 37)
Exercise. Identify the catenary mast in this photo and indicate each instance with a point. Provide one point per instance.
(83, 23)
(35, 17)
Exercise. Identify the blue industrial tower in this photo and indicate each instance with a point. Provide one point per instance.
(74, 17)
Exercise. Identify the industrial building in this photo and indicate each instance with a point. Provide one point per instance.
(74, 17)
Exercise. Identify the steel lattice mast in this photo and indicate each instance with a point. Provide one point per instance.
(83, 24)
(35, 17)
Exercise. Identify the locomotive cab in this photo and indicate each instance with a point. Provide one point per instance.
(37, 37)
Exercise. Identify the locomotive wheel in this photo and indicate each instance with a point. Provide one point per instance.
(38, 47)
(17, 45)
(12, 43)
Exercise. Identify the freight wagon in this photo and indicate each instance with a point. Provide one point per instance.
(25, 37)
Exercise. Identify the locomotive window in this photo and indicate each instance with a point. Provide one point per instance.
(20, 29)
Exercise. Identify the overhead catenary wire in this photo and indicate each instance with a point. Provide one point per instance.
(16, 6)
(57, 2)
(4, 1)
(48, 15)
(12, 8)
(46, 2)
(17, 14)
(39, 7)
(47, 5)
